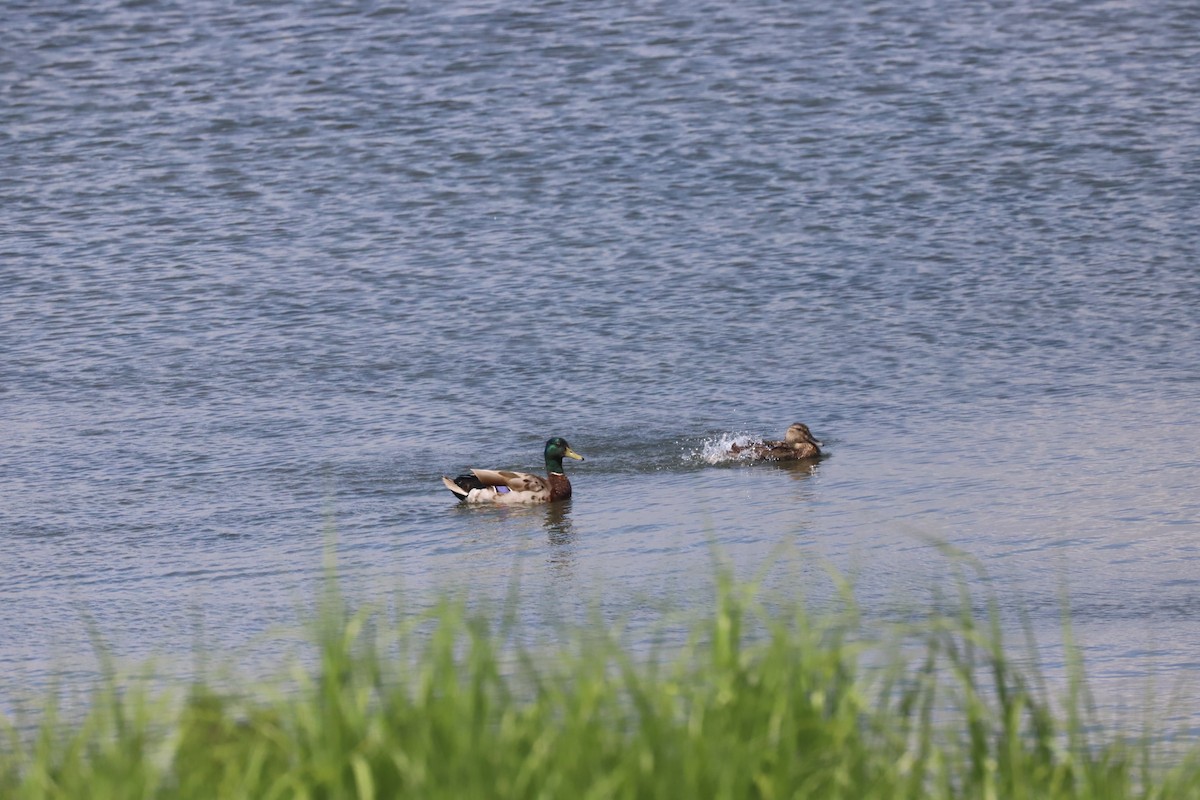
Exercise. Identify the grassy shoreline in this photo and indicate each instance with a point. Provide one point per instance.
(754, 703)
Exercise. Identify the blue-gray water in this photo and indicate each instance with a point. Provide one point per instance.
(273, 268)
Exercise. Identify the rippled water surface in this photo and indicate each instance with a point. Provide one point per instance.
(269, 270)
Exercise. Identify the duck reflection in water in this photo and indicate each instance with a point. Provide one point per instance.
(560, 533)
(559, 528)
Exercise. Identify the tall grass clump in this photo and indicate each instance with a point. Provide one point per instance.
(750, 701)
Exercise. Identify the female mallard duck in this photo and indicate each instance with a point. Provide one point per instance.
(798, 443)
(511, 488)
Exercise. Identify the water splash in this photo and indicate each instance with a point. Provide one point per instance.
(716, 449)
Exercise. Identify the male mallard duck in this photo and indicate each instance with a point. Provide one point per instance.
(510, 488)
(797, 443)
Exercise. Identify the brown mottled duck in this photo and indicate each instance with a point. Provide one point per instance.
(798, 443)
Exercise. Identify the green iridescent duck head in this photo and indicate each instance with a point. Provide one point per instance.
(556, 450)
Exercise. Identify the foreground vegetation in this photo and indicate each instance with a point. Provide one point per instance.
(745, 702)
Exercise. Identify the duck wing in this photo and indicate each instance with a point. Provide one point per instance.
(515, 481)
(500, 486)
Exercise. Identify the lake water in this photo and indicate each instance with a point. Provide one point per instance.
(270, 270)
